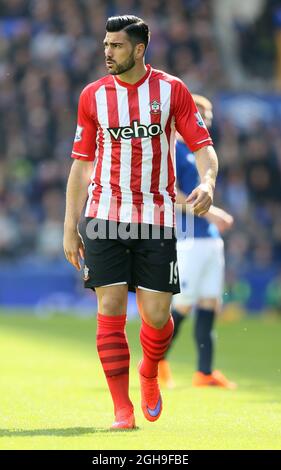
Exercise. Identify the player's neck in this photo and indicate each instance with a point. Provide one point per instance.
(133, 75)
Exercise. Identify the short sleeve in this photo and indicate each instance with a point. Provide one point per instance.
(188, 121)
(84, 145)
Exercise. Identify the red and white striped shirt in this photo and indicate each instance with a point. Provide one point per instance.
(128, 132)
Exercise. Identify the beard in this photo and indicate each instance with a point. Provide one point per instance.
(125, 66)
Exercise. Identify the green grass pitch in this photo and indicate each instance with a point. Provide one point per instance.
(54, 395)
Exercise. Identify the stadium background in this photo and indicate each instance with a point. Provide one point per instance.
(228, 51)
(53, 391)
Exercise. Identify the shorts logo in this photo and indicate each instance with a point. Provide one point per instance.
(155, 107)
(78, 134)
(86, 276)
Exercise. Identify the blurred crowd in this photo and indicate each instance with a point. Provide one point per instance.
(49, 50)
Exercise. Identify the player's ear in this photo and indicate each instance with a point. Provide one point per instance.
(139, 51)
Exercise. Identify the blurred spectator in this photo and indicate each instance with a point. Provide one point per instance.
(260, 42)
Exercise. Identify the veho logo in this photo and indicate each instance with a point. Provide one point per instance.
(135, 130)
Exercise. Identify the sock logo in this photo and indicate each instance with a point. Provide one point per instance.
(135, 130)
(155, 412)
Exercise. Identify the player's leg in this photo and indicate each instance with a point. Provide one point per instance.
(179, 311)
(210, 291)
(179, 314)
(190, 262)
(203, 326)
(205, 314)
(157, 327)
(108, 264)
(156, 279)
(113, 350)
(155, 336)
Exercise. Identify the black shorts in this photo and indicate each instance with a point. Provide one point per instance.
(139, 255)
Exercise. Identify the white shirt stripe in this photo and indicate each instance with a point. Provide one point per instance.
(165, 99)
(125, 155)
(104, 202)
(147, 154)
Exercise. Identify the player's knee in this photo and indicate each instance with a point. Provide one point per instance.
(157, 318)
(208, 303)
(159, 323)
(112, 305)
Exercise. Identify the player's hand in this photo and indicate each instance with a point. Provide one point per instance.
(73, 247)
(201, 199)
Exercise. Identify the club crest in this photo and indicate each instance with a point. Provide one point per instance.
(155, 107)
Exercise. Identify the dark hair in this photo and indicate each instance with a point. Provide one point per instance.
(135, 27)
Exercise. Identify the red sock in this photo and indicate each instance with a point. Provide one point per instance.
(113, 351)
(154, 345)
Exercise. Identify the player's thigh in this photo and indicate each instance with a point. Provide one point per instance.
(213, 280)
(155, 264)
(208, 303)
(107, 261)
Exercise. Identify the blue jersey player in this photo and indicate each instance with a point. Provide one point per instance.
(201, 265)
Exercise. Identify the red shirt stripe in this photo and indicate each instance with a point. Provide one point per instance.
(136, 162)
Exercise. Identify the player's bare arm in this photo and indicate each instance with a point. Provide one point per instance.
(76, 195)
(222, 219)
(201, 197)
(181, 201)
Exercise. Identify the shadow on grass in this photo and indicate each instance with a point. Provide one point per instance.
(63, 432)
